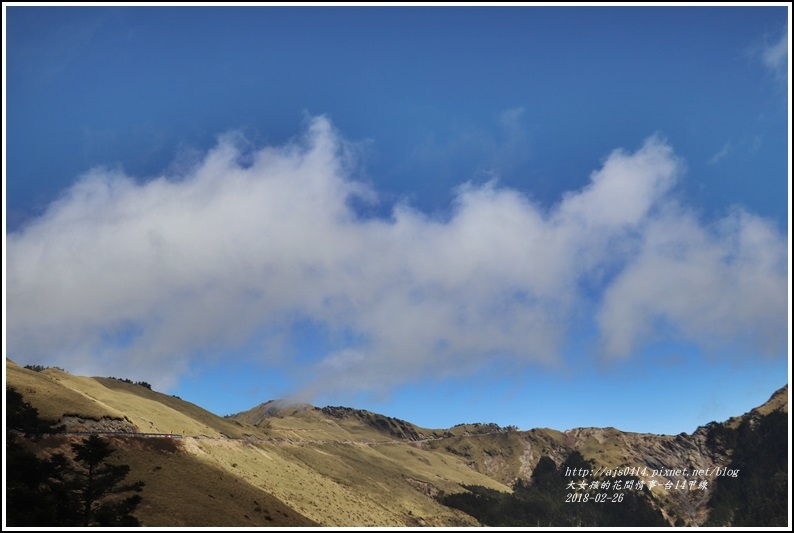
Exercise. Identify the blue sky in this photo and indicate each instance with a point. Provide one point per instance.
(539, 216)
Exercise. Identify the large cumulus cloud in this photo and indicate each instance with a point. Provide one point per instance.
(119, 275)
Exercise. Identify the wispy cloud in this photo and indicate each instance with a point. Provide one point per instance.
(119, 276)
(497, 147)
(722, 154)
(775, 56)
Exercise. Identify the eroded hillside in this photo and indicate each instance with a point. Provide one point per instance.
(279, 464)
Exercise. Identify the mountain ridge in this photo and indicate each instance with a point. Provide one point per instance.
(279, 407)
(339, 466)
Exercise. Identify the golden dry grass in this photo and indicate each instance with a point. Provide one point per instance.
(56, 394)
(325, 474)
(348, 484)
(303, 465)
(183, 491)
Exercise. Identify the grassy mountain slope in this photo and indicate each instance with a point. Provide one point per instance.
(303, 465)
(182, 490)
(113, 405)
(278, 464)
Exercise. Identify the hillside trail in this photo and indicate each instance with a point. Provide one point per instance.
(274, 440)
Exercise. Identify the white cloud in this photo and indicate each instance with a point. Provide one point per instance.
(121, 278)
(510, 119)
(775, 56)
(496, 148)
(716, 286)
(722, 154)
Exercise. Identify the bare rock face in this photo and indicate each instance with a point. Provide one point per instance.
(675, 465)
(103, 425)
(663, 461)
(426, 488)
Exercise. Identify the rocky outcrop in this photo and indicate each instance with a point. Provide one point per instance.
(658, 460)
(664, 461)
(76, 424)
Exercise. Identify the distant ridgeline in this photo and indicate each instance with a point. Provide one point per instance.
(281, 464)
(756, 496)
